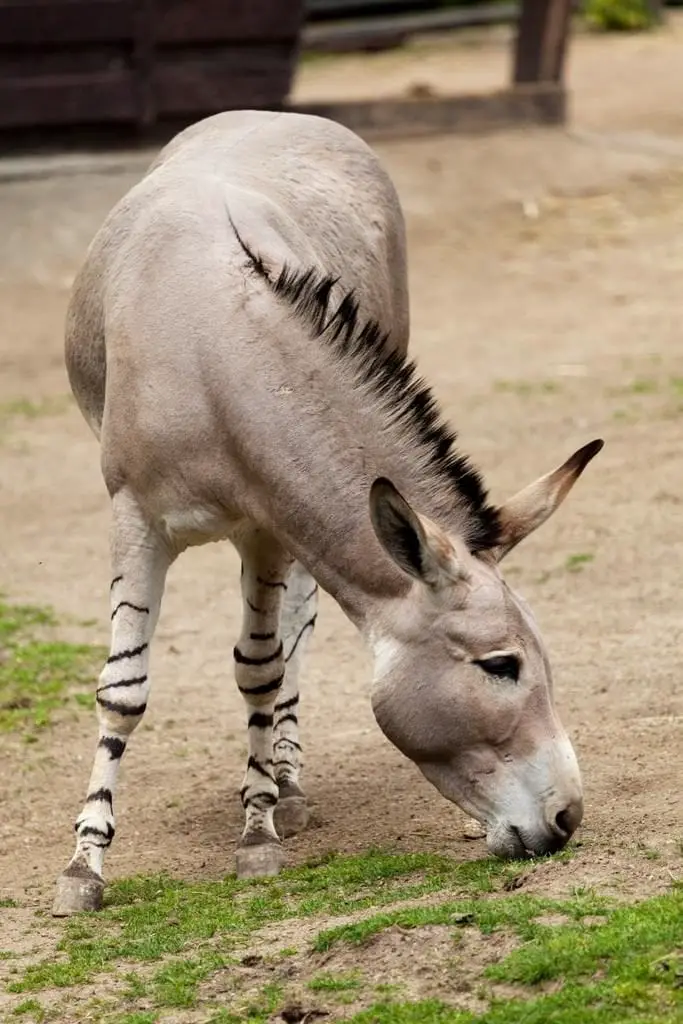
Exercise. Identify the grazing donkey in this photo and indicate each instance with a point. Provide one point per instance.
(236, 340)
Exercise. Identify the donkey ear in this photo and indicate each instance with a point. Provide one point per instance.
(524, 513)
(417, 546)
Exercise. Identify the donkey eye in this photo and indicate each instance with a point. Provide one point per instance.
(504, 666)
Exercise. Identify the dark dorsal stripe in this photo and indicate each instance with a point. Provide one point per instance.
(393, 379)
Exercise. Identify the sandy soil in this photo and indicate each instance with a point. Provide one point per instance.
(546, 287)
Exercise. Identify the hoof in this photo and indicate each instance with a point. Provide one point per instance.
(260, 861)
(474, 829)
(78, 889)
(291, 815)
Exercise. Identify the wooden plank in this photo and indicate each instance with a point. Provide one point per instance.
(53, 22)
(340, 8)
(523, 106)
(68, 99)
(221, 21)
(392, 30)
(194, 84)
(143, 60)
(41, 62)
(541, 43)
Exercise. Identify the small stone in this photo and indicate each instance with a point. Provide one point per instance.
(473, 829)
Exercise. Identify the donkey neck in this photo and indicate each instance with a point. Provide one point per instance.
(369, 415)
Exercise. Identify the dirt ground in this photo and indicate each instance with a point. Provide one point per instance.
(546, 271)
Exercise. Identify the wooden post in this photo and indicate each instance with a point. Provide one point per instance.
(542, 34)
(143, 59)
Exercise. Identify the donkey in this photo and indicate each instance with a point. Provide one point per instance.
(236, 339)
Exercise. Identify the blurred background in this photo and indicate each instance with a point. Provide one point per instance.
(95, 69)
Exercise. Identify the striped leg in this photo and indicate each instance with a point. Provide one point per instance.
(298, 621)
(259, 672)
(140, 561)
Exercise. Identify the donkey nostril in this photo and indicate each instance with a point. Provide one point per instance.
(563, 822)
(568, 819)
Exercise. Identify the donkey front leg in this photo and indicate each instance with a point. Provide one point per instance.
(298, 622)
(259, 672)
(140, 561)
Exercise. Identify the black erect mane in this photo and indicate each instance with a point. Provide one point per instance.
(392, 377)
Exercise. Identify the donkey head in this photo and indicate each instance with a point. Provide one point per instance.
(462, 680)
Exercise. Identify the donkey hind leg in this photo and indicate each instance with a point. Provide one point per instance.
(298, 621)
(140, 562)
(260, 672)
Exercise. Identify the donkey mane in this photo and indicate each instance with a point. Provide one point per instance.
(392, 379)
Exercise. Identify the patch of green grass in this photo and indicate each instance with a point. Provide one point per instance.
(576, 563)
(625, 416)
(37, 672)
(516, 912)
(30, 1007)
(19, 619)
(335, 983)
(29, 409)
(388, 989)
(619, 15)
(150, 918)
(175, 984)
(628, 969)
(258, 1010)
(6, 903)
(643, 386)
(427, 1011)
(137, 1018)
(136, 987)
(653, 927)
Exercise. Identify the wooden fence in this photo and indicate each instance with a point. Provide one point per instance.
(151, 66)
(141, 61)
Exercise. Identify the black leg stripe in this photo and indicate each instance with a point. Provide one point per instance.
(309, 625)
(259, 799)
(136, 681)
(242, 659)
(262, 636)
(127, 710)
(286, 739)
(128, 604)
(270, 583)
(114, 746)
(289, 717)
(100, 794)
(284, 704)
(259, 611)
(132, 652)
(117, 579)
(90, 830)
(260, 721)
(253, 763)
(270, 687)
